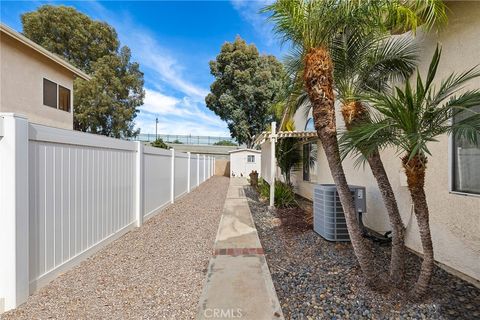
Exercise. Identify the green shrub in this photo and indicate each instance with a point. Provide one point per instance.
(224, 143)
(159, 144)
(284, 195)
(263, 189)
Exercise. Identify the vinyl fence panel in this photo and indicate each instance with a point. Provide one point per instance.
(70, 193)
(79, 196)
(193, 171)
(181, 174)
(157, 177)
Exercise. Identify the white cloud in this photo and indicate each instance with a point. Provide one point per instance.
(187, 127)
(167, 68)
(250, 12)
(179, 115)
(181, 109)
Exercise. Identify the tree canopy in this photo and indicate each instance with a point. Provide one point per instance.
(106, 104)
(245, 87)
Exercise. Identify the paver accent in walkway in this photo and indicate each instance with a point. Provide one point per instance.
(238, 283)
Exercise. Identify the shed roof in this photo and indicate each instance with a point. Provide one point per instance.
(244, 150)
(38, 48)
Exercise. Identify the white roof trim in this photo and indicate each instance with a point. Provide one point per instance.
(29, 43)
(264, 136)
(242, 150)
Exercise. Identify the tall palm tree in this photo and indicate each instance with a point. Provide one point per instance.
(366, 63)
(310, 27)
(409, 120)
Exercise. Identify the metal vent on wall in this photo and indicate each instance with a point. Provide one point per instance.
(328, 216)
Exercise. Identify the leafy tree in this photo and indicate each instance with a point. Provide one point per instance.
(107, 104)
(246, 85)
(224, 143)
(159, 144)
(409, 119)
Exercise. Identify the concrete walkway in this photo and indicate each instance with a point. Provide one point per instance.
(238, 283)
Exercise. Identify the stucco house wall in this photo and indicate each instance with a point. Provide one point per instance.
(454, 217)
(239, 166)
(21, 82)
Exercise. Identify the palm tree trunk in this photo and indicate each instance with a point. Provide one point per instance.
(355, 113)
(397, 260)
(318, 80)
(415, 171)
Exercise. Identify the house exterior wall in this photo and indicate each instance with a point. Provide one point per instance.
(21, 84)
(454, 218)
(239, 165)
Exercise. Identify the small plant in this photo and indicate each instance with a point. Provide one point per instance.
(263, 189)
(176, 141)
(284, 195)
(159, 144)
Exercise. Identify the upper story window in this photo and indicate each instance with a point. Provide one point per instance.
(56, 96)
(309, 126)
(63, 99)
(251, 158)
(49, 93)
(466, 163)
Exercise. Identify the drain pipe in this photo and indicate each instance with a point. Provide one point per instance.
(273, 164)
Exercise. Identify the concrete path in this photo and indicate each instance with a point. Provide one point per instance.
(238, 283)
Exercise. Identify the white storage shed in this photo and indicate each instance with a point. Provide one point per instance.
(244, 161)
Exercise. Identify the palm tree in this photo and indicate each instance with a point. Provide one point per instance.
(365, 63)
(409, 120)
(288, 157)
(310, 27)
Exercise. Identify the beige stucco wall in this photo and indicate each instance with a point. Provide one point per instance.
(454, 218)
(222, 167)
(21, 83)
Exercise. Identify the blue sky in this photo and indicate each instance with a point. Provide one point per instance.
(173, 41)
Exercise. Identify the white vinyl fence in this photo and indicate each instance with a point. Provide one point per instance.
(64, 194)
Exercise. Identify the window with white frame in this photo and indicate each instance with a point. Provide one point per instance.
(466, 162)
(251, 159)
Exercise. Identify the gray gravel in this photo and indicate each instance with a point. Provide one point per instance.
(318, 279)
(154, 272)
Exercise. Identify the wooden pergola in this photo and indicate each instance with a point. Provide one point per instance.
(273, 136)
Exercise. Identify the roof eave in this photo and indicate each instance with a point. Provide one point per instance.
(29, 43)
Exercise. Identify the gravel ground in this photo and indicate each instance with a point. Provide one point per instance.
(154, 272)
(318, 279)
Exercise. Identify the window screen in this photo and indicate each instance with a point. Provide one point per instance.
(63, 99)
(49, 93)
(251, 158)
(466, 162)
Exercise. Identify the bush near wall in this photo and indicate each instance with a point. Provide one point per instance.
(284, 195)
